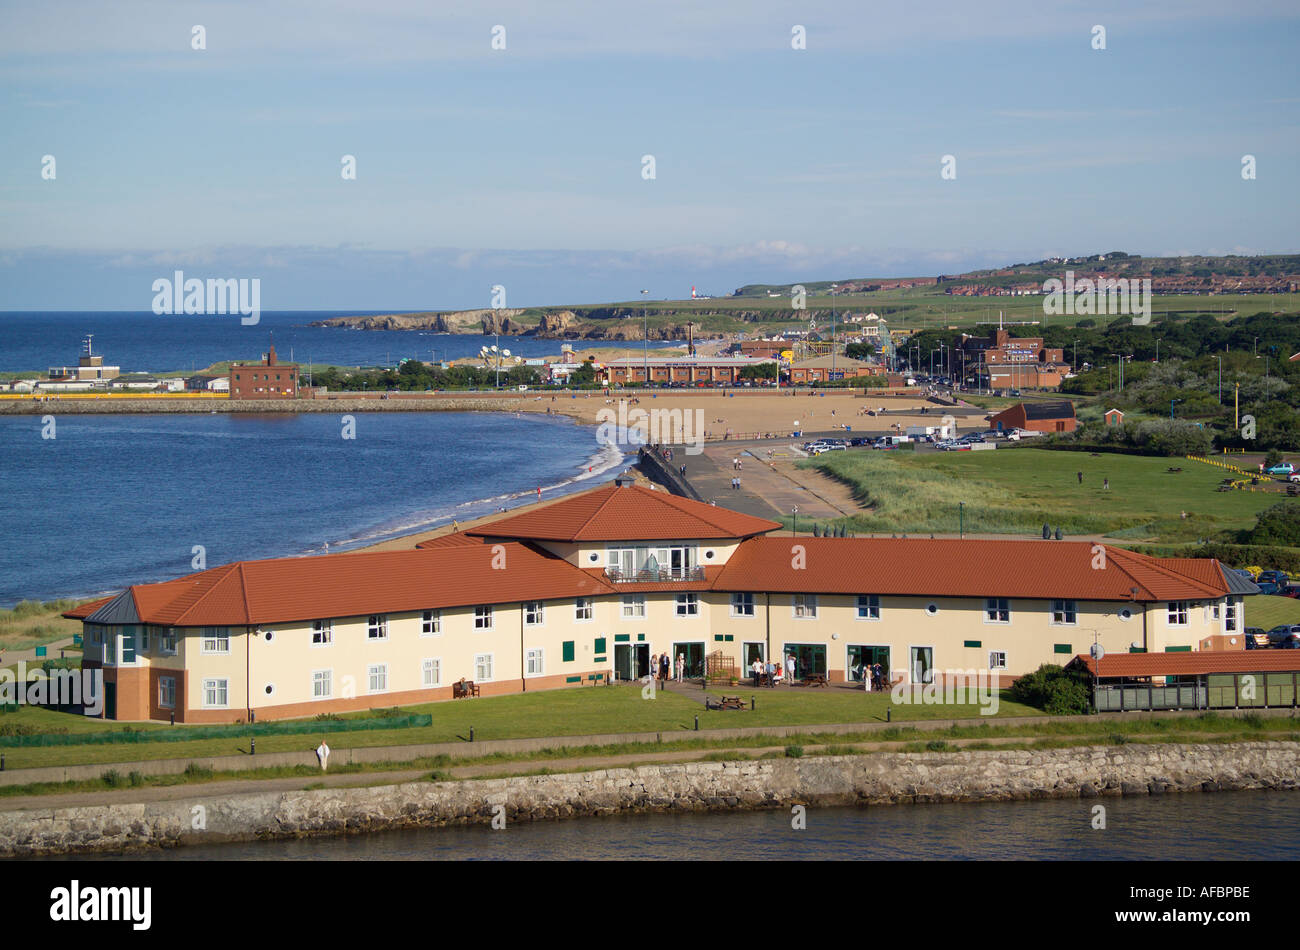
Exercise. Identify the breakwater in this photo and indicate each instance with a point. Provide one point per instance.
(872, 780)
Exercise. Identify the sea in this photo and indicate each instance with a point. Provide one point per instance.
(1235, 826)
(116, 500)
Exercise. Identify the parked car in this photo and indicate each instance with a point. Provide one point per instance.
(1281, 468)
(1267, 587)
(861, 440)
(1256, 638)
(1279, 579)
(1285, 636)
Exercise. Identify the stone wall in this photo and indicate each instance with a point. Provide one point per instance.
(877, 779)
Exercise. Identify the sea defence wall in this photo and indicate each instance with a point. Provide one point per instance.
(655, 468)
(876, 779)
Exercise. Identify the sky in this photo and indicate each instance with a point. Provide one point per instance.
(524, 167)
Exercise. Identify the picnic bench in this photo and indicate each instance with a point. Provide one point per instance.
(1292, 488)
(816, 679)
(727, 702)
(464, 688)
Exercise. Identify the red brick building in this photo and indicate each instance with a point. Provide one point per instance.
(1037, 417)
(269, 379)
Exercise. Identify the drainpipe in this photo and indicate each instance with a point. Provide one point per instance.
(248, 672)
(767, 623)
(523, 679)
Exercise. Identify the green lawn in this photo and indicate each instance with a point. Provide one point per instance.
(588, 711)
(1015, 490)
(32, 623)
(1268, 612)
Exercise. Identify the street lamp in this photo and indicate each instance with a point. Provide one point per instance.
(1075, 369)
(794, 515)
(1158, 349)
(645, 337)
(1219, 357)
(833, 287)
(1171, 407)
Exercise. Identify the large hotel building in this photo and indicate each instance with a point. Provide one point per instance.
(589, 587)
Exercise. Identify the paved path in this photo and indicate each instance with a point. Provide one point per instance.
(765, 492)
(29, 654)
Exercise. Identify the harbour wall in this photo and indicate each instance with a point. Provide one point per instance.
(870, 780)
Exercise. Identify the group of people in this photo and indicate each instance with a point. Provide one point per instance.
(662, 667)
(872, 676)
(774, 672)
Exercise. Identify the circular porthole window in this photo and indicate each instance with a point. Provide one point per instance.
(708, 555)
(270, 635)
(931, 610)
(270, 689)
(1126, 614)
(594, 557)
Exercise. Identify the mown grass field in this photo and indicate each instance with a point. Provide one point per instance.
(1268, 612)
(1016, 490)
(593, 711)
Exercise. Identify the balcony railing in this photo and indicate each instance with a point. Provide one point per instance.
(660, 576)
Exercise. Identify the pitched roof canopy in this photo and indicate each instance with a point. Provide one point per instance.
(625, 513)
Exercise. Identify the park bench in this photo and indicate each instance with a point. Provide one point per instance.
(815, 679)
(727, 702)
(463, 689)
(1292, 488)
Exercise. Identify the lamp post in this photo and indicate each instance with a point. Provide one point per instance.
(1220, 359)
(1075, 368)
(1171, 407)
(961, 519)
(794, 515)
(1158, 350)
(645, 337)
(833, 287)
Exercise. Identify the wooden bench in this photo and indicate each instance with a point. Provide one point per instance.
(463, 689)
(815, 679)
(727, 702)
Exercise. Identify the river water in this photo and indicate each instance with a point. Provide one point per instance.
(1238, 826)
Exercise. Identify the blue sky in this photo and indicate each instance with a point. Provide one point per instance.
(522, 166)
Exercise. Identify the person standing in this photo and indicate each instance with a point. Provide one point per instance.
(790, 667)
(681, 666)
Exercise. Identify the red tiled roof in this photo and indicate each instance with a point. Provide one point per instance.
(85, 610)
(1127, 665)
(351, 585)
(625, 513)
(954, 568)
(457, 539)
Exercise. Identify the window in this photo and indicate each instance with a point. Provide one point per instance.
(742, 605)
(483, 667)
(688, 605)
(144, 638)
(997, 610)
(1229, 616)
(1177, 616)
(533, 615)
(868, 607)
(805, 606)
(533, 662)
(582, 609)
(214, 693)
(997, 659)
(216, 640)
(322, 633)
(378, 673)
(322, 684)
(167, 692)
(167, 642)
(430, 623)
(634, 606)
(377, 627)
(483, 618)
(1064, 612)
(432, 671)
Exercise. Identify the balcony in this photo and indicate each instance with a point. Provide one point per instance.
(654, 575)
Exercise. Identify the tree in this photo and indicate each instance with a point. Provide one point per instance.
(1278, 524)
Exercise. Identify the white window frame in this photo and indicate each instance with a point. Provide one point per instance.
(803, 606)
(538, 611)
(534, 661)
(1231, 615)
(871, 606)
(687, 605)
(1061, 609)
(376, 622)
(167, 699)
(996, 653)
(637, 604)
(431, 664)
(994, 605)
(1177, 613)
(740, 607)
(220, 684)
(212, 644)
(581, 605)
(167, 642)
(380, 669)
(484, 617)
(327, 678)
(322, 633)
(431, 623)
(479, 659)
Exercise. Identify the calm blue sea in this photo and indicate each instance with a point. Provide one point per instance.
(143, 342)
(116, 500)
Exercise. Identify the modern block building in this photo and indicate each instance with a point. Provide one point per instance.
(591, 586)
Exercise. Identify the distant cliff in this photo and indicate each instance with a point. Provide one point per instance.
(543, 324)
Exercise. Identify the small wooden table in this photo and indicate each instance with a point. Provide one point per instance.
(815, 679)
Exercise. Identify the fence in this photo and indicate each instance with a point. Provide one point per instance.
(1213, 691)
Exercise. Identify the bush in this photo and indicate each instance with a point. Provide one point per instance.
(1053, 689)
(1277, 524)
(936, 745)
(793, 751)
(112, 778)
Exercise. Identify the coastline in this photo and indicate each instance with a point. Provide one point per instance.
(889, 778)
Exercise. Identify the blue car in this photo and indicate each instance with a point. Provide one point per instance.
(1285, 636)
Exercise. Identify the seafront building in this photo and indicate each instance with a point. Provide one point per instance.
(589, 587)
(269, 379)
